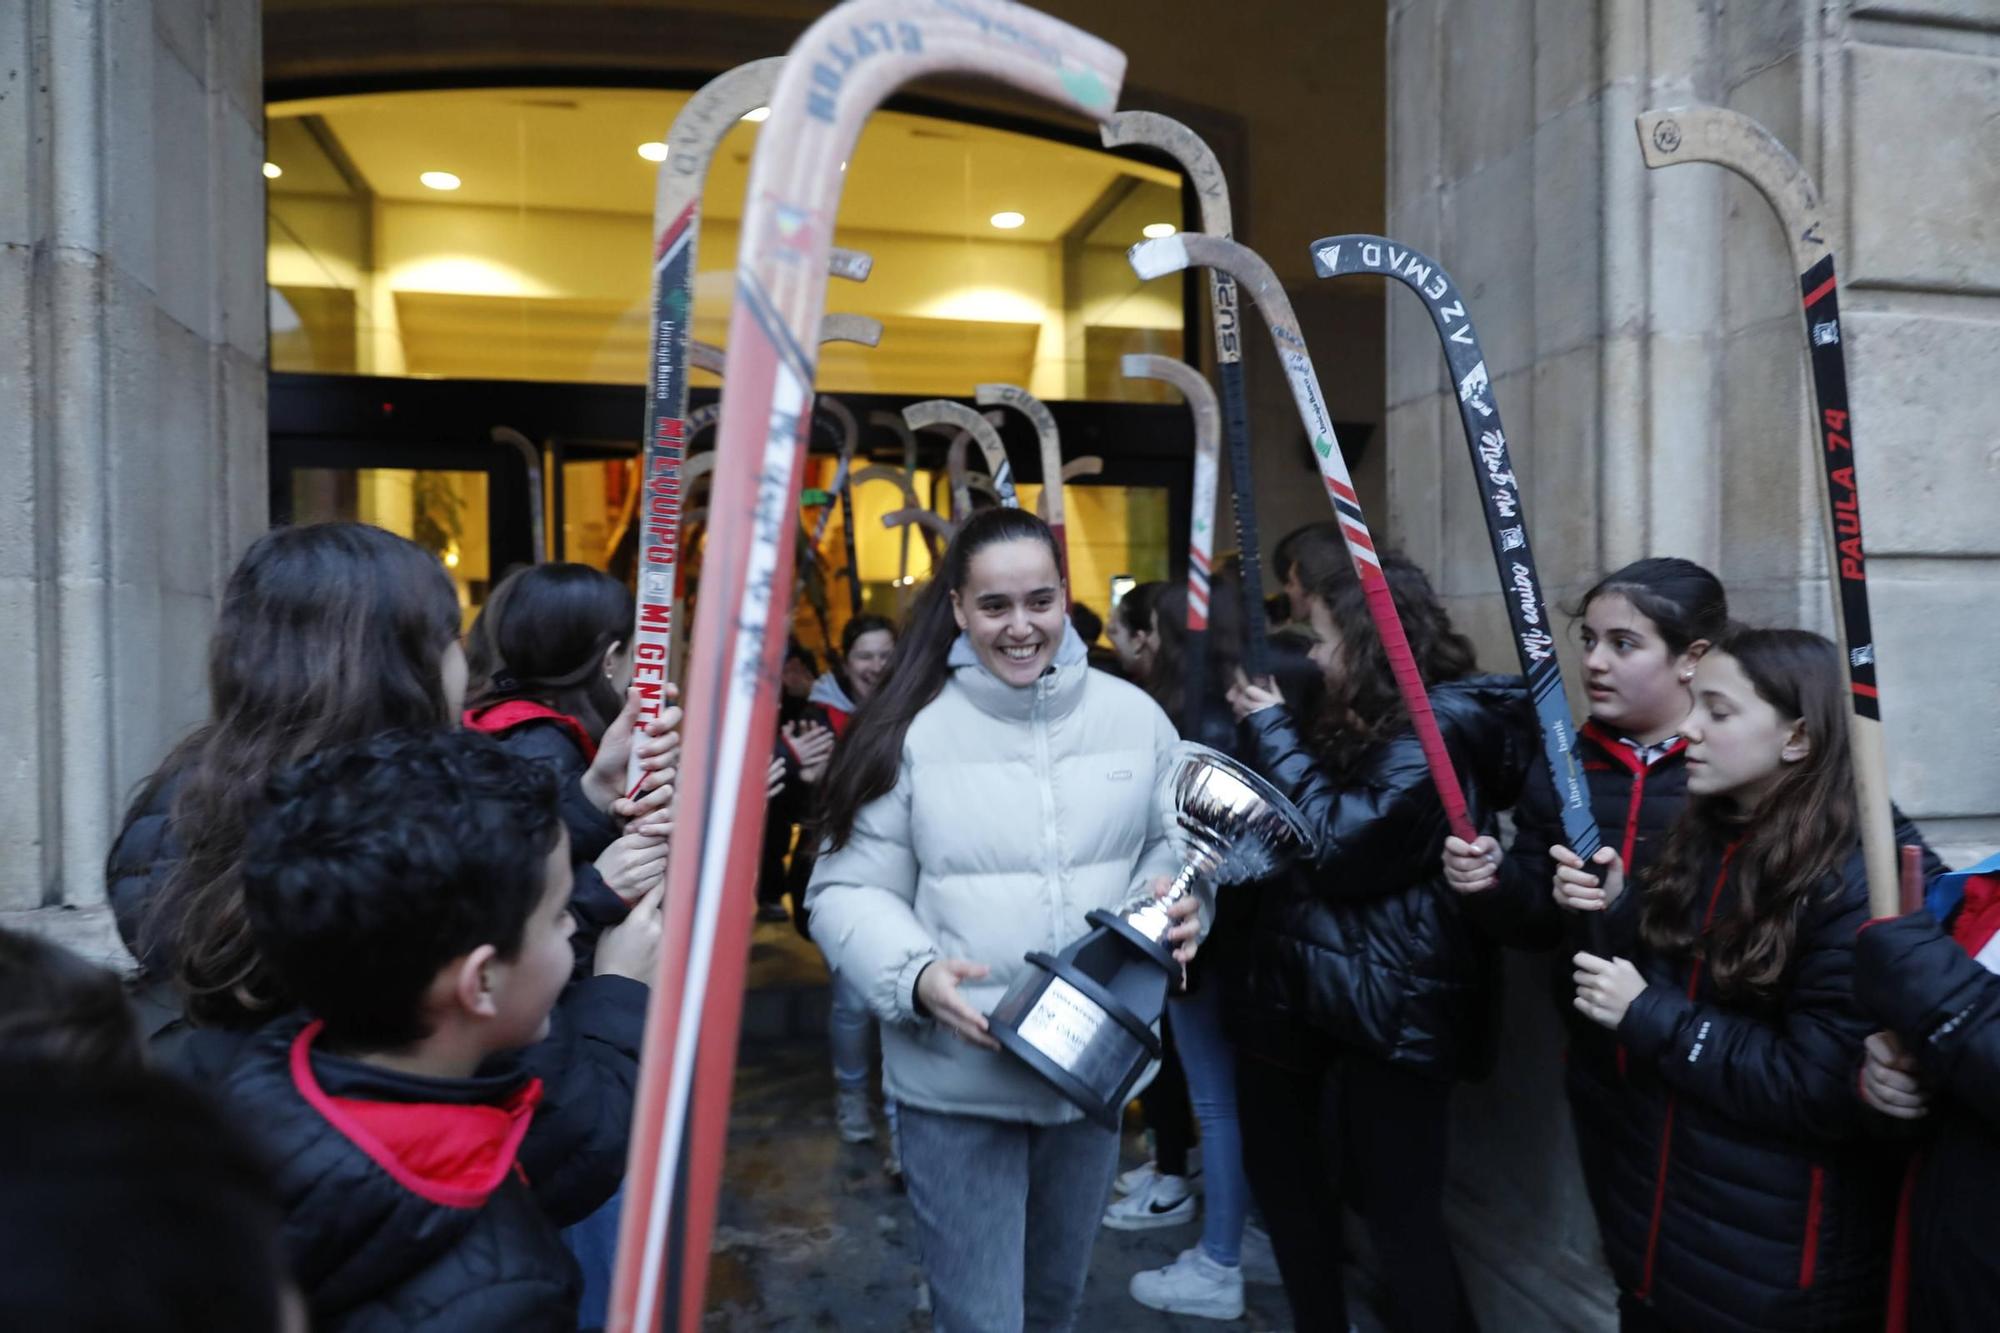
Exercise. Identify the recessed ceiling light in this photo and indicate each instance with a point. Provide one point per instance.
(440, 180)
(653, 152)
(1153, 231)
(272, 171)
(757, 113)
(1007, 221)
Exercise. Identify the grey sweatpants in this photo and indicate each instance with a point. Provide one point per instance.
(1007, 1214)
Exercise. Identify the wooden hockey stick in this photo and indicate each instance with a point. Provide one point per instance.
(1499, 500)
(974, 426)
(841, 68)
(1151, 130)
(1201, 521)
(1733, 140)
(691, 143)
(843, 489)
(895, 424)
(531, 456)
(1050, 441)
(837, 327)
(1171, 254)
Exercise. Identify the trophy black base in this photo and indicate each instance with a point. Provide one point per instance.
(1083, 1019)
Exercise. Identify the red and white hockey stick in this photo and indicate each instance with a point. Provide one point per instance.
(1733, 140)
(843, 67)
(1153, 130)
(1171, 254)
(1201, 521)
(691, 143)
(1049, 439)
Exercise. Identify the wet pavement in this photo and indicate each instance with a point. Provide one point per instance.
(812, 1234)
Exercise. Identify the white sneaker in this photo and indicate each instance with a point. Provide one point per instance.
(1129, 1181)
(1163, 1201)
(1259, 1263)
(850, 1116)
(1192, 1284)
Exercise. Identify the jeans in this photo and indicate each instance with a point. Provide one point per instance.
(1006, 1216)
(1337, 1127)
(850, 1031)
(1210, 1064)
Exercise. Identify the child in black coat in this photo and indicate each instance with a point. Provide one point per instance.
(412, 893)
(1938, 1066)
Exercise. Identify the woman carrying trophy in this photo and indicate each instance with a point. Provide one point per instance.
(1363, 993)
(993, 792)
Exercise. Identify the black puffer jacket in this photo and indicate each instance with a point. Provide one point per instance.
(1916, 981)
(1368, 943)
(1743, 1193)
(409, 1203)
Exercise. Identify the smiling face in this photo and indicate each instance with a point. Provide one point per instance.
(1739, 745)
(1011, 606)
(868, 661)
(1637, 687)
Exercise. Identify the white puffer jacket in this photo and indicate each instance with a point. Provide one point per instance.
(1017, 811)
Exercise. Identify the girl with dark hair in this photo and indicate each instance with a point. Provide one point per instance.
(550, 669)
(1131, 630)
(866, 644)
(1365, 993)
(1741, 1193)
(1642, 631)
(327, 633)
(992, 792)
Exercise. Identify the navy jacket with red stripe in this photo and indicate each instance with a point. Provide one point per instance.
(1743, 1189)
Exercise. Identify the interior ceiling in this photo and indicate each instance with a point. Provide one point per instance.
(577, 149)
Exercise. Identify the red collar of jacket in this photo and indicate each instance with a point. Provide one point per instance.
(498, 719)
(451, 1154)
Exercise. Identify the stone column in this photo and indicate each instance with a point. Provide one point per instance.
(132, 366)
(1642, 333)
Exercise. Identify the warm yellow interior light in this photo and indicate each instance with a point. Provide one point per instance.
(654, 151)
(1007, 221)
(440, 180)
(756, 114)
(272, 171)
(1153, 231)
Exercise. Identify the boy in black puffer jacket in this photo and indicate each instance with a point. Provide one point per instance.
(411, 892)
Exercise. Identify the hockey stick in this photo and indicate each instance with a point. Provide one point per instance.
(841, 68)
(699, 355)
(1050, 441)
(1153, 130)
(1201, 522)
(843, 491)
(691, 143)
(1499, 499)
(1730, 139)
(975, 427)
(895, 423)
(532, 457)
(1171, 254)
(1088, 465)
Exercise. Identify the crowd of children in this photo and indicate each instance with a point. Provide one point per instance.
(395, 907)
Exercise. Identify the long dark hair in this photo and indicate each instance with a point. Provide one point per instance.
(1362, 705)
(327, 633)
(1785, 848)
(543, 635)
(1684, 601)
(865, 765)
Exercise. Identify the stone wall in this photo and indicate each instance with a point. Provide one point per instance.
(1642, 332)
(132, 435)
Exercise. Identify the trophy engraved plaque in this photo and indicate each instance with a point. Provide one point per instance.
(1084, 1018)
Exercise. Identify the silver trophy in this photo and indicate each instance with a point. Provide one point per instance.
(1084, 1019)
